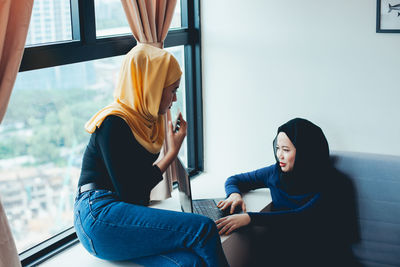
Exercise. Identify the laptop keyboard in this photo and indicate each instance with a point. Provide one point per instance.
(208, 208)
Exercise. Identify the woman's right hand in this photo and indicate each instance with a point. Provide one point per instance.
(175, 139)
(232, 201)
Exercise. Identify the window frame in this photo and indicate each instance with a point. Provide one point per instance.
(85, 46)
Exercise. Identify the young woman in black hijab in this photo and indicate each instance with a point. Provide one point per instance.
(305, 226)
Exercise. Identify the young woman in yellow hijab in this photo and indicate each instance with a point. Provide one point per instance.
(118, 172)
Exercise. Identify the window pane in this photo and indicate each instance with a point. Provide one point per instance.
(111, 19)
(50, 22)
(180, 105)
(42, 140)
(176, 19)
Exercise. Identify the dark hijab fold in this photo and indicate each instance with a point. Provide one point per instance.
(312, 164)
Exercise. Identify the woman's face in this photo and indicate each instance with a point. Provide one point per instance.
(285, 152)
(168, 97)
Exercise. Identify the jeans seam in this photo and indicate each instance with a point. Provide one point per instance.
(79, 221)
(171, 259)
(196, 236)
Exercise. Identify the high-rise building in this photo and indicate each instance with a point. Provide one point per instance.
(50, 22)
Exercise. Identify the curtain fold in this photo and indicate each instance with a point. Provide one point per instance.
(164, 188)
(149, 21)
(14, 23)
(8, 251)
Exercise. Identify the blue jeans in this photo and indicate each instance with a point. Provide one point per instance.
(114, 230)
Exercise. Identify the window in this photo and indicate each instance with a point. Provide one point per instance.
(70, 65)
(110, 18)
(50, 22)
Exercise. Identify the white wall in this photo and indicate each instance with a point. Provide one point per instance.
(267, 61)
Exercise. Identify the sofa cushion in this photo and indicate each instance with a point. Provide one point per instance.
(376, 179)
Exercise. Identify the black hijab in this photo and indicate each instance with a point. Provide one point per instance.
(312, 164)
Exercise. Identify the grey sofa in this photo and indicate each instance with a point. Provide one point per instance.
(376, 181)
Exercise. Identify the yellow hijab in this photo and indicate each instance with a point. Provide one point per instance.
(145, 72)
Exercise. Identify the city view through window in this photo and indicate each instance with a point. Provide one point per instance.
(42, 136)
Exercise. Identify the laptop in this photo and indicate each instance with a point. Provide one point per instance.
(206, 207)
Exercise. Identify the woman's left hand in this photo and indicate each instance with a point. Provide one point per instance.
(230, 223)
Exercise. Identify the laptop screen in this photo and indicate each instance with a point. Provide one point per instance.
(185, 193)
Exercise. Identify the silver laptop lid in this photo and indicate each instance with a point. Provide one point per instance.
(185, 193)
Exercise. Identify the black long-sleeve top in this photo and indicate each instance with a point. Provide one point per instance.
(114, 160)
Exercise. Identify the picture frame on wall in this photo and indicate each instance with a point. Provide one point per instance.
(388, 16)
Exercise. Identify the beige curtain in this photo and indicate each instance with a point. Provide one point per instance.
(14, 22)
(8, 251)
(149, 21)
(163, 189)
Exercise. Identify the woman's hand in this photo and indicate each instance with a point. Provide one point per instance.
(230, 223)
(175, 139)
(232, 201)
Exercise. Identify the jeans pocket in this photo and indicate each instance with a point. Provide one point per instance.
(85, 240)
(95, 200)
(100, 195)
